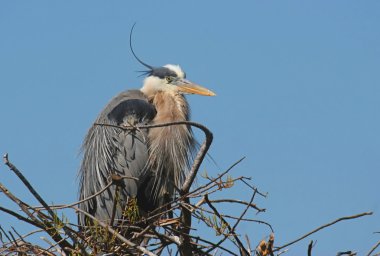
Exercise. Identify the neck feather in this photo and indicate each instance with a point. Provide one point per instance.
(171, 147)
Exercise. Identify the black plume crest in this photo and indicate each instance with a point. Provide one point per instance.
(137, 58)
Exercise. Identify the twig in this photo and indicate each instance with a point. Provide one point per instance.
(309, 248)
(240, 218)
(13, 239)
(27, 184)
(63, 206)
(349, 253)
(322, 227)
(29, 234)
(115, 201)
(217, 178)
(53, 245)
(248, 243)
(239, 202)
(258, 192)
(5, 233)
(22, 218)
(243, 219)
(211, 244)
(373, 248)
(24, 207)
(63, 243)
(115, 233)
(198, 159)
(185, 213)
(231, 230)
(20, 237)
(185, 247)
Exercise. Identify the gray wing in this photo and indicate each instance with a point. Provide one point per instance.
(109, 150)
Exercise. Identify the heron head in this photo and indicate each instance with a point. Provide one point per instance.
(172, 78)
(168, 78)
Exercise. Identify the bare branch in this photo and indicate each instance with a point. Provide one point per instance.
(322, 227)
(22, 218)
(63, 243)
(115, 233)
(373, 248)
(310, 247)
(238, 202)
(241, 246)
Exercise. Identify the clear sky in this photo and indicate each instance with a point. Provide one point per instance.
(297, 83)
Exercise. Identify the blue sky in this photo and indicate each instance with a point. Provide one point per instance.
(297, 83)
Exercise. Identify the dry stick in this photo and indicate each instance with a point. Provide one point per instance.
(219, 176)
(373, 249)
(24, 207)
(115, 200)
(114, 232)
(211, 244)
(186, 213)
(228, 226)
(240, 218)
(169, 239)
(185, 248)
(309, 248)
(20, 237)
(153, 214)
(22, 218)
(235, 201)
(54, 246)
(190, 195)
(117, 180)
(349, 253)
(214, 180)
(5, 233)
(239, 202)
(234, 218)
(248, 243)
(57, 207)
(232, 230)
(252, 187)
(62, 243)
(13, 239)
(216, 186)
(63, 206)
(29, 234)
(322, 227)
(28, 185)
(198, 159)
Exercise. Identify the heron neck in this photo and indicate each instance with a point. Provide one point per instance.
(170, 146)
(170, 107)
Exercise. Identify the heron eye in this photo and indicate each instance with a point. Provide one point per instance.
(168, 79)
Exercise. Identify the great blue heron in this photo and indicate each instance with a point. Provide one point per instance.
(157, 157)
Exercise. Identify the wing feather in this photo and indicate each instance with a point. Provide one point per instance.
(108, 150)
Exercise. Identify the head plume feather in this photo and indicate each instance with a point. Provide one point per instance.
(137, 58)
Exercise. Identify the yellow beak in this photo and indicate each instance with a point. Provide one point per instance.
(186, 86)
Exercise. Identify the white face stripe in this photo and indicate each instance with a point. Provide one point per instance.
(152, 84)
(177, 69)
